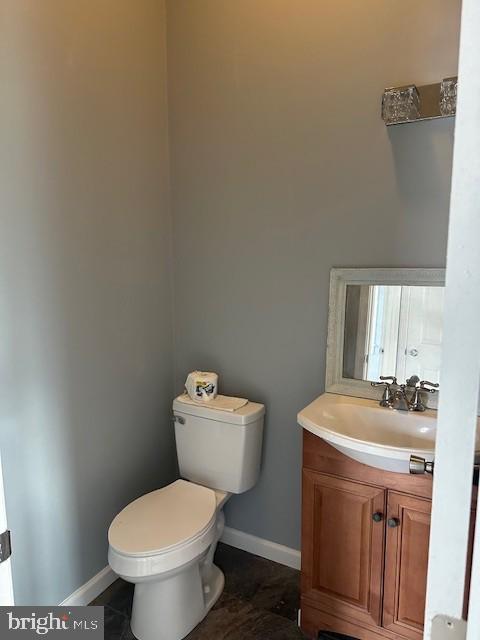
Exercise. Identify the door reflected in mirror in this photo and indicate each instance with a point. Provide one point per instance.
(393, 330)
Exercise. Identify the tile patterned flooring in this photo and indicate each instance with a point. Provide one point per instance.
(259, 602)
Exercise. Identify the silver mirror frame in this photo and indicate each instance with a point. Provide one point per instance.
(339, 279)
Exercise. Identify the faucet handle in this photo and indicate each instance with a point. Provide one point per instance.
(384, 380)
(430, 387)
(392, 379)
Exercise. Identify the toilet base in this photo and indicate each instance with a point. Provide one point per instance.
(170, 608)
(213, 589)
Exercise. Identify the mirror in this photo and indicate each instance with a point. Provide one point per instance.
(393, 330)
(383, 322)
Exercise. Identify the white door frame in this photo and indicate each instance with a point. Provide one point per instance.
(6, 585)
(460, 375)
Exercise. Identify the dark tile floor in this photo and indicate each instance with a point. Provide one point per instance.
(259, 602)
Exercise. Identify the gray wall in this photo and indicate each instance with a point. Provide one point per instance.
(85, 278)
(282, 168)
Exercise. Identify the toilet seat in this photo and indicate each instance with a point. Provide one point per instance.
(162, 530)
(163, 520)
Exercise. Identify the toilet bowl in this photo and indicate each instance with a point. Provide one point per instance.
(164, 541)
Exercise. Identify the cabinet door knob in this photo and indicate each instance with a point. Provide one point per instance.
(377, 516)
(393, 522)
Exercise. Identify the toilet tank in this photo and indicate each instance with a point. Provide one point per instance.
(219, 449)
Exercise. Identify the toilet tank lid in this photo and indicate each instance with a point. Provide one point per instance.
(250, 412)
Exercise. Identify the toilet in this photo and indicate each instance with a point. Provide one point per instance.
(164, 541)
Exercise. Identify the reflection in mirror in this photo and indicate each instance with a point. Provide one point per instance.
(393, 330)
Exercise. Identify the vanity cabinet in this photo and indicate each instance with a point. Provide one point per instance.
(365, 536)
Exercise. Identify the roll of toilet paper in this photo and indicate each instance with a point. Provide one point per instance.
(202, 386)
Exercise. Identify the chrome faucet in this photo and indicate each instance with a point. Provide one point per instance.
(399, 398)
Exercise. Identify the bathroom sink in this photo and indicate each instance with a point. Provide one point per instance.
(371, 434)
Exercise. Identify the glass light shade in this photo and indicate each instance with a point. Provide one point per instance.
(448, 97)
(400, 104)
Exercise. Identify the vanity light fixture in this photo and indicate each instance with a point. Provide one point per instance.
(412, 103)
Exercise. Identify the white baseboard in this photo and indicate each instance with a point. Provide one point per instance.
(261, 547)
(91, 589)
(245, 541)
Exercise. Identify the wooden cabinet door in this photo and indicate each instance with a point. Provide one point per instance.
(343, 546)
(406, 563)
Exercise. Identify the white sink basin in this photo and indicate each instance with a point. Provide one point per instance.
(371, 434)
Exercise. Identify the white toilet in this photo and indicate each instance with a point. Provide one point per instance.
(164, 541)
